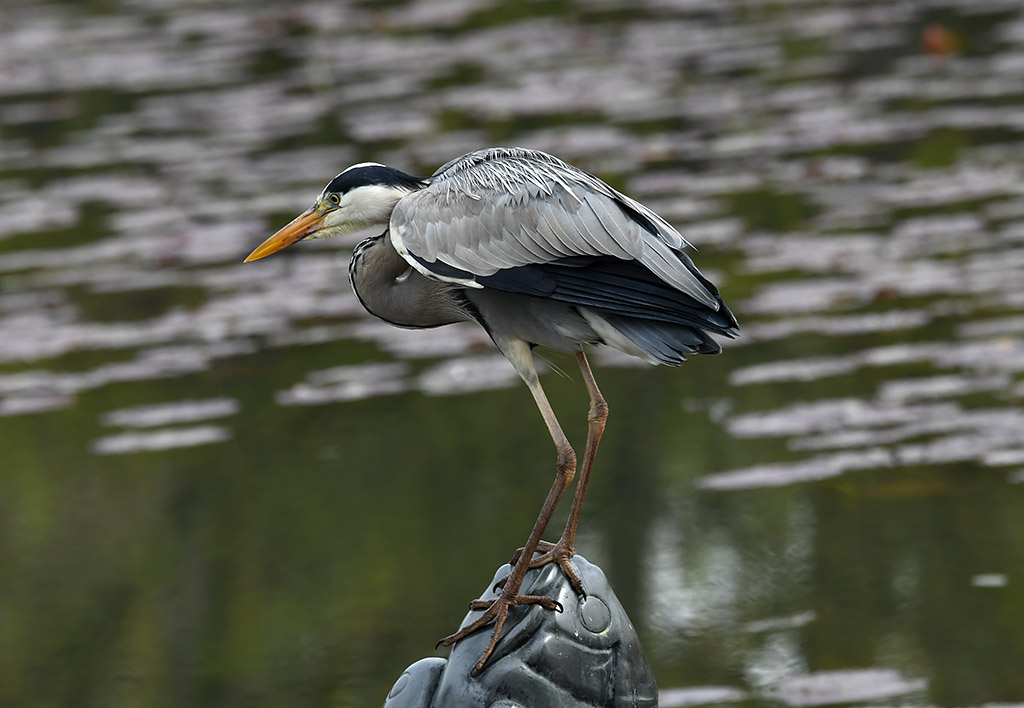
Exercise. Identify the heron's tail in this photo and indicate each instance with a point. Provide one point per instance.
(662, 342)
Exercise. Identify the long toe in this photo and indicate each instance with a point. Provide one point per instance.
(496, 610)
(542, 546)
(559, 553)
(475, 626)
(571, 574)
(551, 553)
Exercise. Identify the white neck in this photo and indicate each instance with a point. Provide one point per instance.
(369, 206)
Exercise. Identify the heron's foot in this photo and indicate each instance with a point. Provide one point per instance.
(497, 610)
(542, 546)
(559, 553)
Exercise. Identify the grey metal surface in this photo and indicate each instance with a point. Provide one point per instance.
(587, 655)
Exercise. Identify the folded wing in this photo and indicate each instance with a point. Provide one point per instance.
(508, 208)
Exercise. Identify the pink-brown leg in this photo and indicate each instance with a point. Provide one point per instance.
(561, 551)
(497, 610)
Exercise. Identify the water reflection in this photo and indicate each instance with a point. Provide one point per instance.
(160, 439)
(829, 687)
(236, 470)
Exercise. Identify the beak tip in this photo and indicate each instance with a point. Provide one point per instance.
(299, 228)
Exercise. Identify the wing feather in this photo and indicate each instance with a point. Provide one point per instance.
(618, 231)
(558, 232)
(503, 208)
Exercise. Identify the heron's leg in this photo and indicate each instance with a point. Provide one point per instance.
(562, 551)
(596, 418)
(519, 354)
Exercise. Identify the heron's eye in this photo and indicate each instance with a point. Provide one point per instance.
(334, 199)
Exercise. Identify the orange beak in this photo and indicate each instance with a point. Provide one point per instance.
(305, 224)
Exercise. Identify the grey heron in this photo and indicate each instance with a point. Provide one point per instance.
(539, 253)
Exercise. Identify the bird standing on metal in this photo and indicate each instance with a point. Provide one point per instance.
(539, 253)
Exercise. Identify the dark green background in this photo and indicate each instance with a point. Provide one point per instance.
(831, 172)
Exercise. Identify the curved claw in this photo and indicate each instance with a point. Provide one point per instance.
(555, 554)
(496, 610)
(549, 554)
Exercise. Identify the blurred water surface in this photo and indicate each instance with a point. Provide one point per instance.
(225, 485)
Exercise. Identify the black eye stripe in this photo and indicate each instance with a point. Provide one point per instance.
(372, 175)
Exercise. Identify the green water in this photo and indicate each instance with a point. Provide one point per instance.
(840, 491)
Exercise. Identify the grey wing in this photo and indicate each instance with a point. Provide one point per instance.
(504, 208)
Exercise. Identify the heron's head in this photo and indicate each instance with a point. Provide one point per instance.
(362, 196)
